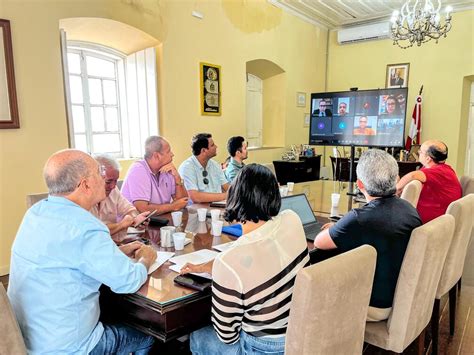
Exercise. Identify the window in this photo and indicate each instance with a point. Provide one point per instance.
(112, 105)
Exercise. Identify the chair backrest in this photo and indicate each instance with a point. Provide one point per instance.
(463, 212)
(11, 340)
(270, 166)
(467, 184)
(411, 192)
(119, 184)
(418, 280)
(32, 199)
(330, 303)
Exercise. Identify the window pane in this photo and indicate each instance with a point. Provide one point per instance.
(74, 63)
(95, 91)
(97, 119)
(78, 119)
(100, 67)
(110, 92)
(80, 142)
(111, 118)
(76, 89)
(106, 143)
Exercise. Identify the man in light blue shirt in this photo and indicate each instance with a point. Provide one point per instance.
(237, 148)
(203, 177)
(61, 256)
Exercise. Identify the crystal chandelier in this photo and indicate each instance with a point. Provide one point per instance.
(419, 21)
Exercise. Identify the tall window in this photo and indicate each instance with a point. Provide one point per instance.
(111, 100)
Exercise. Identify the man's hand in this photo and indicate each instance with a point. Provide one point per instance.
(179, 203)
(146, 255)
(170, 168)
(200, 268)
(126, 222)
(139, 219)
(130, 248)
(327, 225)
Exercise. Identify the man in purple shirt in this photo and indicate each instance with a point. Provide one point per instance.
(154, 183)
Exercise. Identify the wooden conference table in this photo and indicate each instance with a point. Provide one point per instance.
(166, 310)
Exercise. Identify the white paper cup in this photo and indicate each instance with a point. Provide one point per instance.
(290, 186)
(202, 214)
(178, 239)
(217, 228)
(335, 200)
(283, 191)
(215, 214)
(177, 218)
(166, 236)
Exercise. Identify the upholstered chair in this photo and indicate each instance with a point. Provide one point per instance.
(416, 287)
(411, 192)
(330, 303)
(467, 184)
(463, 212)
(32, 199)
(11, 340)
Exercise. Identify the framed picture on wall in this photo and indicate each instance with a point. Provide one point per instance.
(397, 75)
(210, 75)
(9, 117)
(301, 99)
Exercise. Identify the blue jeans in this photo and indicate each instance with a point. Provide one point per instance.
(205, 342)
(121, 339)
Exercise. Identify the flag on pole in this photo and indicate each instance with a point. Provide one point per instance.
(415, 126)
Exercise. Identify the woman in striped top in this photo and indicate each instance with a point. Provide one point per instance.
(253, 281)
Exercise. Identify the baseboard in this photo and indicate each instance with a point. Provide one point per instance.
(4, 270)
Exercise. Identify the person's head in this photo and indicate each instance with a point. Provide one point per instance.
(75, 175)
(342, 108)
(157, 153)
(377, 171)
(322, 105)
(363, 122)
(237, 148)
(203, 145)
(112, 171)
(392, 106)
(433, 152)
(253, 195)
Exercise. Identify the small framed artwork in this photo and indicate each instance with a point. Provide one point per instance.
(397, 75)
(301, 99)
(210, 76)
(9, 117)
(306, 120)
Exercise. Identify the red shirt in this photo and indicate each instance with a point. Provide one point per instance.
(440, 189)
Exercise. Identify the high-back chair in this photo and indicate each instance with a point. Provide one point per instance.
(416, 287)
(411, 192)
(330, 303)
(11, 340)
(463, 211)
(33, 198)
(467, 184)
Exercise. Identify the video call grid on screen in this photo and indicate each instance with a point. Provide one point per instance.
(363, 118)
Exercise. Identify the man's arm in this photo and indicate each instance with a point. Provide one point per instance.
(180, 189)
(176, 205)
(202, 197)
(414, 175)
(324, 241)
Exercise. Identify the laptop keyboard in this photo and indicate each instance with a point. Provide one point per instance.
(311, 230)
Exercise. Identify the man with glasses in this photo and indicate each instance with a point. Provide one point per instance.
(363, 130)
(440, 183)
(61, 255)
(115, 211)
(322, 111)
(203, 177)
(153, 183)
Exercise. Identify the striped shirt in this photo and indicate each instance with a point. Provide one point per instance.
(253, 281)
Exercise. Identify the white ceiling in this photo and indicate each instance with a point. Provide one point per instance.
(334, 14)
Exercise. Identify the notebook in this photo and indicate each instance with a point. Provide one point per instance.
(300, 205)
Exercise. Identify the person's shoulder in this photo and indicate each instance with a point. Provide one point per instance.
(216, 165)
(186, 163)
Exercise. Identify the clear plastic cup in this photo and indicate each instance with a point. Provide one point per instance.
(178, 239)
(202, 214)
(291, 186)
(284, 191)
(335, 199)
(177, 218)
(215, 214)
(216, 229)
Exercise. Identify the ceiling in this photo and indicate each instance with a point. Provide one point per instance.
(335, 14)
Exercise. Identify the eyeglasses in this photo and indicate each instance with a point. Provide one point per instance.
(204, 175)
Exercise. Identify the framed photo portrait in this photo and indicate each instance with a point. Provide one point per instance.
(9, 117)
(397, 75)
(210, 76)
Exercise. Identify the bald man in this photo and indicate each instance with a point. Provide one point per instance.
(62, 254)
(440, 183)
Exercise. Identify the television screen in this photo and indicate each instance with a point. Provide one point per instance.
(364, 118)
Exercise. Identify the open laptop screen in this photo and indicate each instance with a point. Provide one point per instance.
(300, 205)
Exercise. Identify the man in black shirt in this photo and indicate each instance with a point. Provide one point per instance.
(385, 222)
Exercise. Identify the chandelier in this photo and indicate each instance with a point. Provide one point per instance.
(419, 21)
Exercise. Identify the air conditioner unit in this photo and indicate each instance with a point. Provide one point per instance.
(364, 33)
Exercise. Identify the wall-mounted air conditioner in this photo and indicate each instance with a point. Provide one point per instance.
(364, 33)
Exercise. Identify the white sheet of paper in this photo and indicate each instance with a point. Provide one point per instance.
(223, 247)
(197, 257)
(162, 257)
(132, 230)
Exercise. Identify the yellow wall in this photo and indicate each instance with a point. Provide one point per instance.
(440, 68)
(231, 34)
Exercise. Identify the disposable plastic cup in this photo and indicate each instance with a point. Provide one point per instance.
(215, 214)
(217, 228)
(178, 239)
(284, 191)
(177, 218)
(202, 214)
(335, 199)
(290, 186)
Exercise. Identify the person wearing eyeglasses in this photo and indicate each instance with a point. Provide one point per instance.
(153, 183)
(203, 177)
(440, 183)
(323, 110)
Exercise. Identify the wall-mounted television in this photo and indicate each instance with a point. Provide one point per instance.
(372, 118)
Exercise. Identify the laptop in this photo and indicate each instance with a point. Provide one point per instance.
(300, 205)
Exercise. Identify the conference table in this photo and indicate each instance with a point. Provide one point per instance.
(166, 310)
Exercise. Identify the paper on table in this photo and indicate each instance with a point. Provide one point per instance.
(161, 258)
(197, 257)
(223, 247)
(132, 230)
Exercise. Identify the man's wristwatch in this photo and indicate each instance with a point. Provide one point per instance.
(179, 183)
